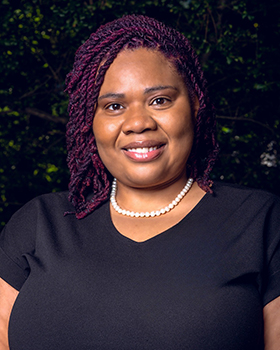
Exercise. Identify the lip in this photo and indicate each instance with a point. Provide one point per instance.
(147, 156)
(143, 143)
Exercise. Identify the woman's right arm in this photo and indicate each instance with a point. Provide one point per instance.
(8, 295)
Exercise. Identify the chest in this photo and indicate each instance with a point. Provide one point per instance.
(173, 292)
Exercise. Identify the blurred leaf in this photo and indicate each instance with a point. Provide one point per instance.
(237, 43)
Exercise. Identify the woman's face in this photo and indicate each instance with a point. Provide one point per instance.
(143, 123)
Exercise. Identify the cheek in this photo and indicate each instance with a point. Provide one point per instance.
(105, 133)
(183, 138)
(181, 130)
(186, 130)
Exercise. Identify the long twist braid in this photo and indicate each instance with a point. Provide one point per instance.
(90, 181)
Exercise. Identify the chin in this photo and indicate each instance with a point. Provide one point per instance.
(146, 180)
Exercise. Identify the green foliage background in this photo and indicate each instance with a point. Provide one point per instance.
(238, 44)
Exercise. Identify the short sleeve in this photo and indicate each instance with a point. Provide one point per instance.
(272, 253)
(17, 240)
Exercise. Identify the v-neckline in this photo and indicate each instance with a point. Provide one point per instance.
(115, 232)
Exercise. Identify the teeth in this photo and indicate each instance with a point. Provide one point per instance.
(142, 150)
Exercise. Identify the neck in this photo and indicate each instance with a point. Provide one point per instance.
(150, 199)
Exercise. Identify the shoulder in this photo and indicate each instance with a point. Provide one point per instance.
(241, 194)
(49, 199)
(51, 209)
(244, 204)
(43, 206)
(56, 200)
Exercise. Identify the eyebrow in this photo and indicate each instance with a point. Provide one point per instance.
(146, 91)
(111, 95)
(159, 87)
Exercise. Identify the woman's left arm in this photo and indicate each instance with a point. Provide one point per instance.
(271, 316)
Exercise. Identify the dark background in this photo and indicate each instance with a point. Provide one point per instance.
(238, 45)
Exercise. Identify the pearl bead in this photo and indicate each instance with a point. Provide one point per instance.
(147, 214)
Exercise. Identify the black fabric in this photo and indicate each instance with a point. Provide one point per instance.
(200, 285)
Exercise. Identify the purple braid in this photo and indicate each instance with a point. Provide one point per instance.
(90, 181)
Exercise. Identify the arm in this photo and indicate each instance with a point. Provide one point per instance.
(271, 316)
(8, 296)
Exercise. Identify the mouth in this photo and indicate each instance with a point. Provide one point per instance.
(144, 151)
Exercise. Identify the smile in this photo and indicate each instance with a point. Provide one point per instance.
(144, 154)
(142, 150)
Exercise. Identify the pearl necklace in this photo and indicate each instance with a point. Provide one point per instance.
(147, 214)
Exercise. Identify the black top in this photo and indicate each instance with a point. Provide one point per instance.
(199, 285)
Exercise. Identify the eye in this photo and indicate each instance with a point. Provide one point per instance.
(160, 101)
(114, 107)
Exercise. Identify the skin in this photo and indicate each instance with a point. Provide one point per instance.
(162, 114)
(8, 296)
(146, 101)
(271, 315)
(134, 106)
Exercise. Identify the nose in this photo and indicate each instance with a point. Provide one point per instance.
(137, 120)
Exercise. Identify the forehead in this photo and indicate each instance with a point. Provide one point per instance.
(142, 67)
(143, 54)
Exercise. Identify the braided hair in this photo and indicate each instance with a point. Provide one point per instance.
(88, 174)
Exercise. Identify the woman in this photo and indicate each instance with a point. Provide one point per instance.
(173, 261)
